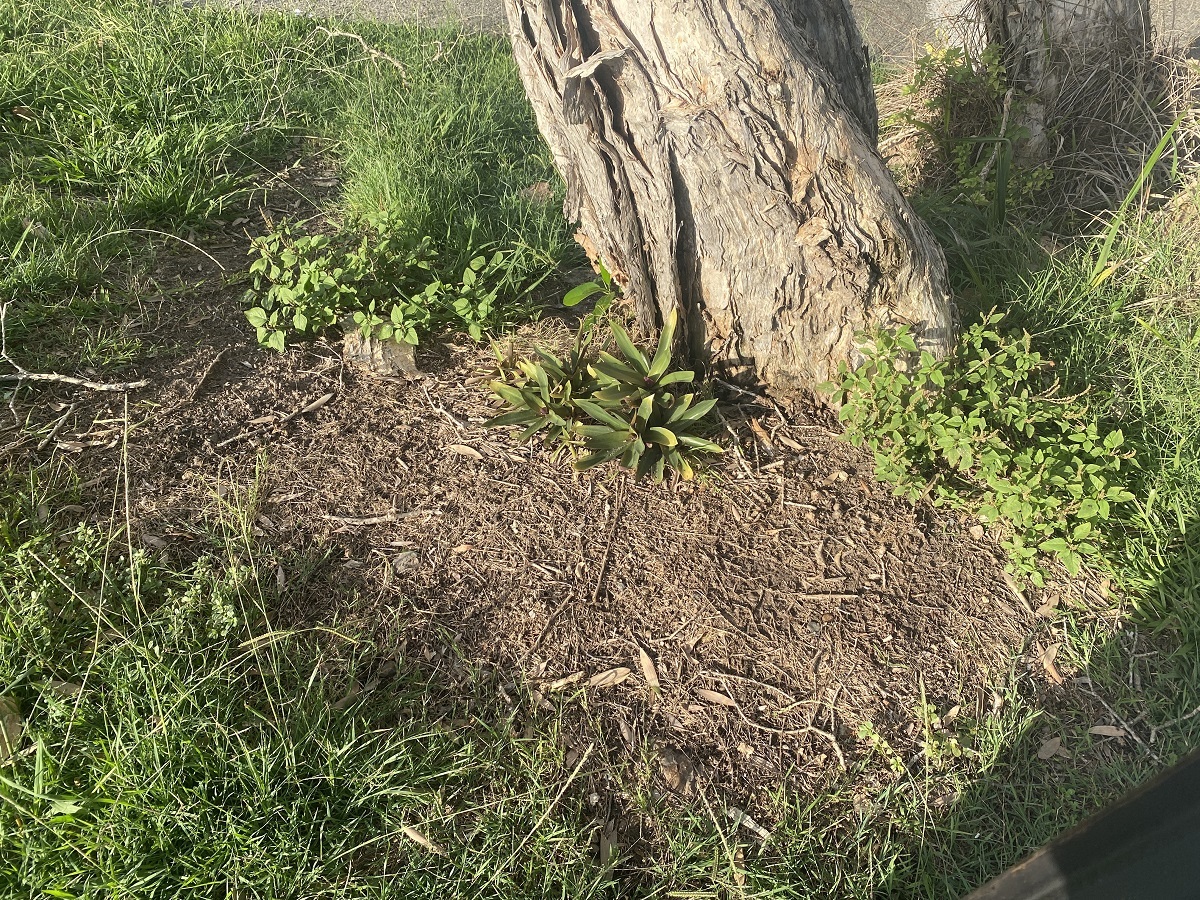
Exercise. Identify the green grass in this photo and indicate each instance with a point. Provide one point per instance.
(125, 120)
(1130, 343)
(176, 744)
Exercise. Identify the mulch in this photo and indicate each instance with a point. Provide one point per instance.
(739, 629)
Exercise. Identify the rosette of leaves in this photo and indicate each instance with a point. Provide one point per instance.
(603, 407)
(636, 418)
(544, 395)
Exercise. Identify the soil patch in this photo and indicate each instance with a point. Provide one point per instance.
(738, 629)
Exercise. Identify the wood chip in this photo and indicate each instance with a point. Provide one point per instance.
(463, 450)
(1049, 748)
(609, 677)
(650, 673)
(1113, 731)
(715, 697)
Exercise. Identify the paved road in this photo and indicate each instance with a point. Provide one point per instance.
(895, 28)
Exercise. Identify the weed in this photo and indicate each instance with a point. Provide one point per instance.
(384, 282)
(985, 429)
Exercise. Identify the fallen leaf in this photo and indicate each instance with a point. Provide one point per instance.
(649, 671)
(539, 191)
(839, 475)
(608, 847)
(1107, 731)
(715, 697)
(739, 867)
(740, 817)
(1049, 748)
(351, 695)
(789, 443)
(609, 677)
(414, 835)
(462, 548)
(463, 450)
(11, 726)
(566, 680)
(677, 771)
(1047, 660)
(316, 404)
(262, 420)
(946, 800)
(64, 690)
(153, 540)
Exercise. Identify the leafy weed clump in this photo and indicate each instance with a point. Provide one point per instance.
(985, 429)
(383, 282)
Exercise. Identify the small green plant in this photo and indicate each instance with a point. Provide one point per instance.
(384, 284)
(964, 106)
(869, 734)
(602, 407)
(605, 292)
(985, 429)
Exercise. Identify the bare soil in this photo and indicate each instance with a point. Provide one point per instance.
(779, 602)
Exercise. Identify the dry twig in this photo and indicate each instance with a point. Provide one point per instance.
(23, 374)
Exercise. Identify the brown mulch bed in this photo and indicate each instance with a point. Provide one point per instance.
(780, 601)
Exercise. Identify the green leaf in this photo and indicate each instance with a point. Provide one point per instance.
(682, 377)
(662, 357)
(663, 436)
(581, 292)
(594, 459)
(277, 341)
(257, 316)
(300, 321)
(698, 443)
(699, 411)
(515, 417)
(617, 372)
(609, 440)
(597, 412)
(629, 349)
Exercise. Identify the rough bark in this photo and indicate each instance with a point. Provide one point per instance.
(720, 158)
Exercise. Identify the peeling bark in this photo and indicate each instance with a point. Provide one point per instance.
(720, 158)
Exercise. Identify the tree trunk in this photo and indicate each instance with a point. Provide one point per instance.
(1080, 66)
(720, 158)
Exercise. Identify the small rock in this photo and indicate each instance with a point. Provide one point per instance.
(976, 531)
(381, 357)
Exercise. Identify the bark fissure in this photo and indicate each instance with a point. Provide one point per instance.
(722, 161)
